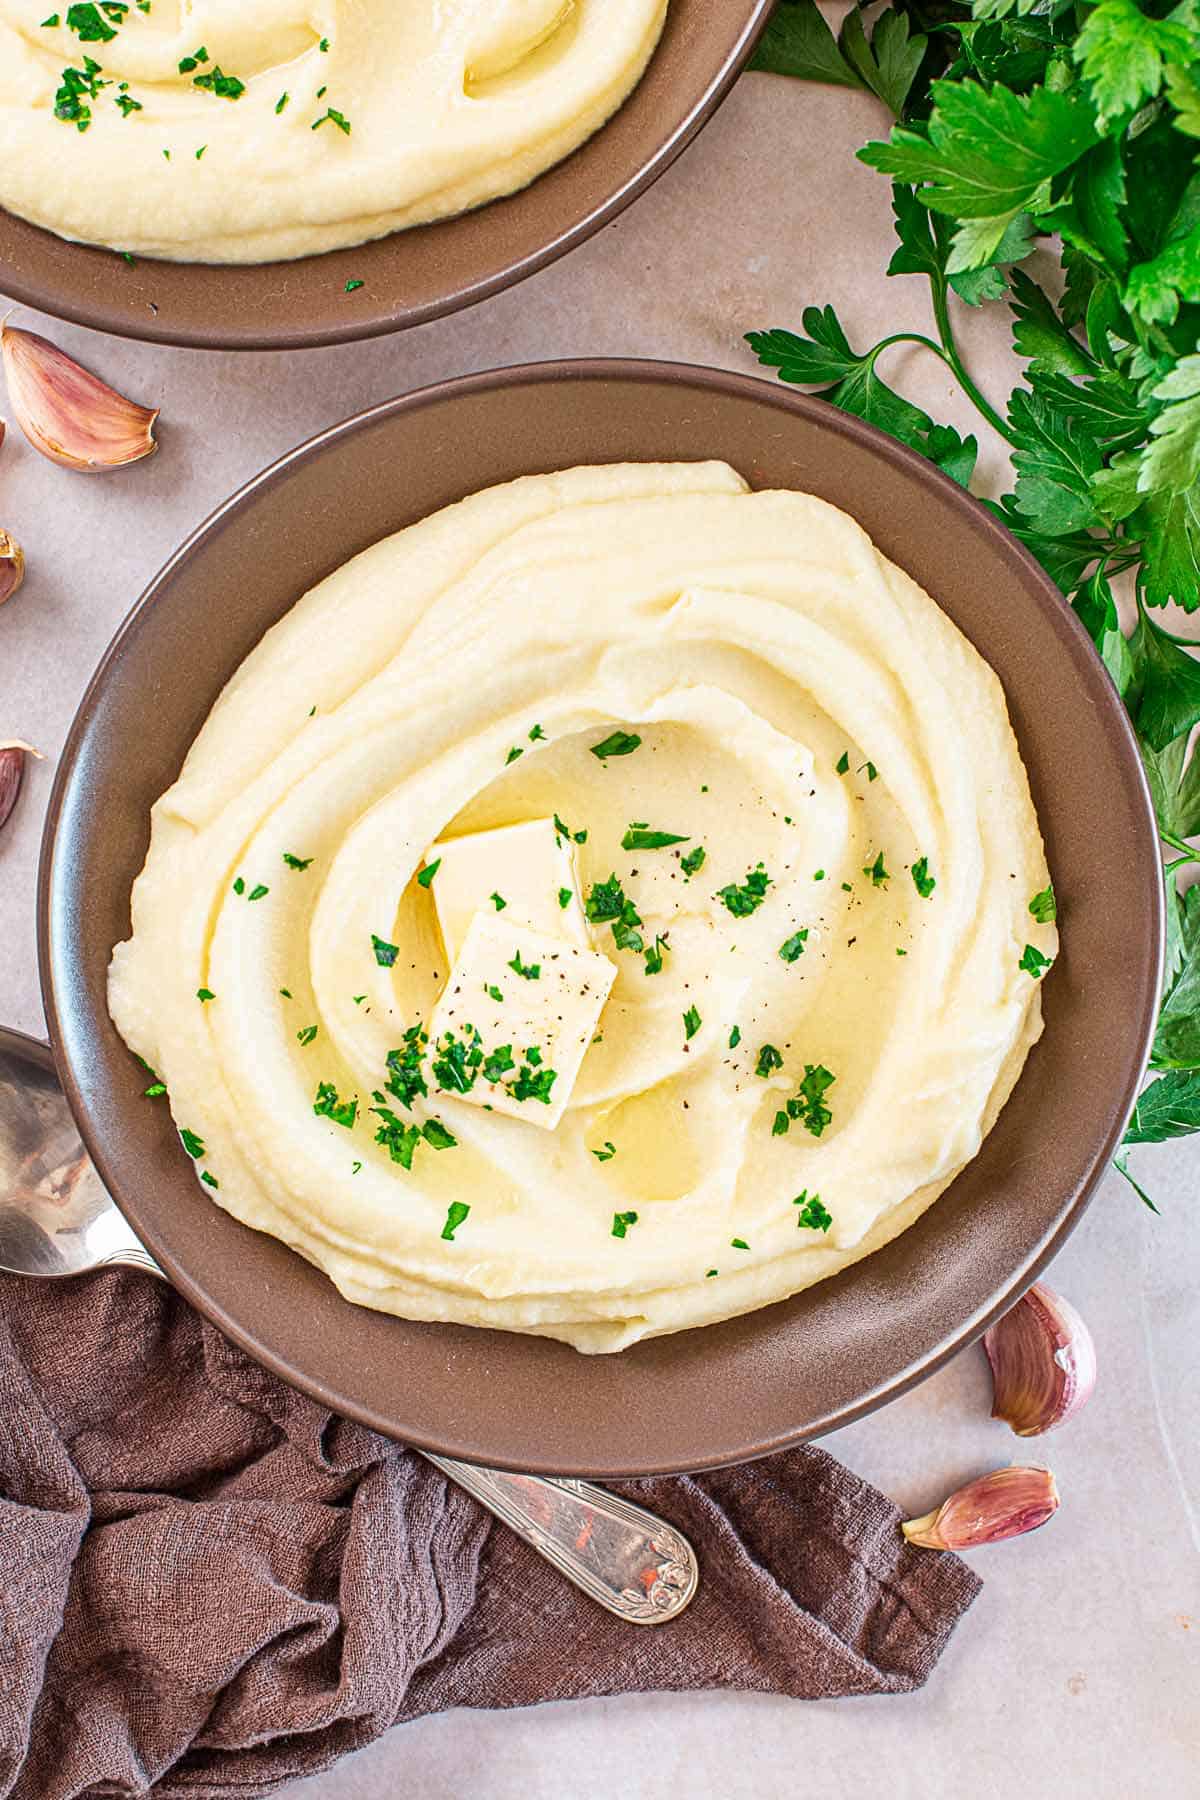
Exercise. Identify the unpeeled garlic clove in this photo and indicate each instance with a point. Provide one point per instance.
(12, 767)
(12, 566)
(1043, 1362)
(68, 414)
(1004, 1504)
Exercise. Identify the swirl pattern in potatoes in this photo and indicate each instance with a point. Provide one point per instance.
(609, 905)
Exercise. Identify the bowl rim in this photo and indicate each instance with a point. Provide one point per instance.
(127, 321)
(1116, 1108)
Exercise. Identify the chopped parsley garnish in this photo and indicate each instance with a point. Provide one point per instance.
(425, 878)
(258, 893)
(735, 1037)
(769, 1060)
(654, 956)
(819, 875)
(200, 151)
(78, 86)
(192, 1144)
(846, 888)
(1044, 906)
(435, 1134)
(204, 995)
(877, 871)
(608, 1152)
(48, 24)
(398, 1139)
(738, 1244)
(742, 901)
(457, 1212)
(808, 1105)
(331, 117)
(709, 1273)
(531, 971)
(565, 896)
(353, 286)
(872, 771)
(513, 755)
(89, 25)
(533, 1084)
(457, 1060)
(327, 1105)
(564, 834)
(297, 862)
(215, 81)
(813, 1215)
(923, 881)
(286, 992)
(493, 992)
(1033, 962)
(691, 1022)
(155, 1089)
(282, 102)
(793, 947)
(188, 63)
(128, 105)
(621, 1223)
(385, 953)
(323, 46)
(617, 743)
(693, 862)
(640, 837)
(499, 902)
(843, 763)
(536, 734)
(355, 1167)
(307, 1035)
(405, 1079)
(209, 1180)
(607, 904)
(781, 1125)
(498, 1063)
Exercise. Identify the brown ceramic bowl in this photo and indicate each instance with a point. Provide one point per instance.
(412, 276)
(756, 1383)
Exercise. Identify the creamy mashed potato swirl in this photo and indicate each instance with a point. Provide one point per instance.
(805, 714)
(220, 131)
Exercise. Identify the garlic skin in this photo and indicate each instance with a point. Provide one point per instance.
(12, 566)
(12, 767)
(1043, 1362)
(1005, 1504)
(68, 414)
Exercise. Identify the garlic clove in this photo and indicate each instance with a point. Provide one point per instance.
(1007, 1503)
(1043, 1362)
(68, 414)
(12, 566)
(12, 767)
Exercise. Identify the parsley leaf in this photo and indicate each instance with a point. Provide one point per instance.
(638, 837)
(385, 953)
(617, 743)
(746, 899)
(1044, 906)
(813, 1216)
(1033, 962)
(456, 1214)
(691, 1022)
(328, 1106)
(793, 947)
(621, 1223)
(923, 881)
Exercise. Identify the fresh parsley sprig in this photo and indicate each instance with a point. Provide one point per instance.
(1076, 125)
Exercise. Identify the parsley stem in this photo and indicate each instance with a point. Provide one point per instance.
(1190, 854)
(950, 356)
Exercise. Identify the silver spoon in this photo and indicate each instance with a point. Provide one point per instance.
(57, 1219)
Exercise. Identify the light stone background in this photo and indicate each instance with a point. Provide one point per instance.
(1076, 1673)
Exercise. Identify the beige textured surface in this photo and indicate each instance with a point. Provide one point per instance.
(1078, 1671)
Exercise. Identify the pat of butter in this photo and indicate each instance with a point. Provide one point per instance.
(517, 1016)
(529, 866)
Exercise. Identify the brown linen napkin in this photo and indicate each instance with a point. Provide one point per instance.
(210, 1586)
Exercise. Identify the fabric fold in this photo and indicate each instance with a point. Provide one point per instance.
(213, 1586)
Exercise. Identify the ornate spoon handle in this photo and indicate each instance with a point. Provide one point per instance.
(625, 1558)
